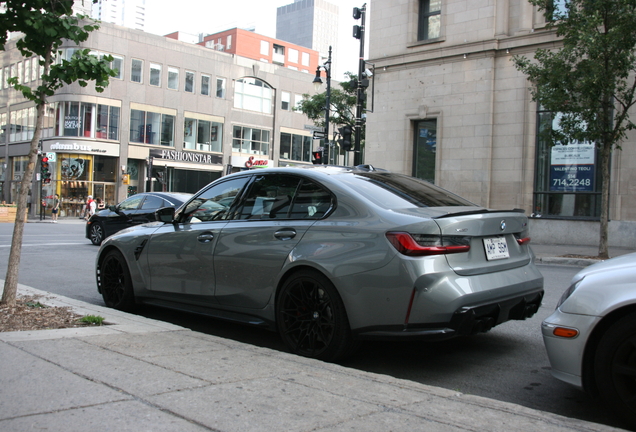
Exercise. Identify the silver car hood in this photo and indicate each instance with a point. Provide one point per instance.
(603, 287)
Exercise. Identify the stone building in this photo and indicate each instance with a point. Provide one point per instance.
(451, 107)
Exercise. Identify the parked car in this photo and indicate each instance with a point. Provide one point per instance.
(591, 336)
(329, 256)
(137, 209)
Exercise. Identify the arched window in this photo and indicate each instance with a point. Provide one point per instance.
(253, 94)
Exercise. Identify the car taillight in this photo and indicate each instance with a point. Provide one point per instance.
(523, 241)
(424, 244)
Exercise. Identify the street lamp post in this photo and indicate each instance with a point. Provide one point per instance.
(317, 83)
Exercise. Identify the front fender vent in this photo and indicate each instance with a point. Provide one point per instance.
(139, 249)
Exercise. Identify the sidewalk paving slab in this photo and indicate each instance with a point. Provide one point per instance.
(140, 374)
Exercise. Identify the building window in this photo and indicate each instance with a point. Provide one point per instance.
(34, 69)
(298, 100)
(567, 176)
(305, 59)
(86, 119)
(424, 149)
(21, 125)
(205, 85)
(285, 101)
(205, 135)
(189, 82)
(3, 131)
(136, 68)
(293, 55)
(173, 78)
(27, 70)
(429, 24)
(554, 9)
(229, 42)
(253, 94)
(220, 88)
(278, 56)
(155, 75)
(295, 147)
(107, 126)
(250, 140)
(117, 65)
(151, 128)
(265, 48)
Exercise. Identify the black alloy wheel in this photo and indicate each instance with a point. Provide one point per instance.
(615, 368)
(311, 317)
(115, 283)
(96, 233)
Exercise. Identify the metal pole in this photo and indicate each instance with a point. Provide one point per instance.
(325, 157)
(357, 156)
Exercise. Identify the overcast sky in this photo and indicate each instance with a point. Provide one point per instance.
(212, 16)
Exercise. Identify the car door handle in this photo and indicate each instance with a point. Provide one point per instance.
(285, 234)
(205, 237)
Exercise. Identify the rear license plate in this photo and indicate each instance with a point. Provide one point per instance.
(496, 248)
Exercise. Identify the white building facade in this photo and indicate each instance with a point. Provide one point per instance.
(450, 107)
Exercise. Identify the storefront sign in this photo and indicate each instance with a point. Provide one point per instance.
(572, 168)
(183, 156)
(251, 162)
(76, 148)
(86, 147)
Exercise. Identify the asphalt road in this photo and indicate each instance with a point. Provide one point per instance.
(508, 363)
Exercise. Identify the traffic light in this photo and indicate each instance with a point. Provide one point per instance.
(44, 170)
(346, 141)
(357, 14)
(316, 157)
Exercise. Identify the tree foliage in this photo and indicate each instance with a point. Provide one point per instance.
(43, 26)
(589, 79)
(342, 103)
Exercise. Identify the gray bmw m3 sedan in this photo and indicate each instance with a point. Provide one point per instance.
(329, 256)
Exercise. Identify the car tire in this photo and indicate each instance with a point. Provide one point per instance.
(615, 368)
(115, 282)
(96, 233)
(311, 317)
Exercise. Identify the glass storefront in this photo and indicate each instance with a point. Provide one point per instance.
(567, 175)
(76, 176)
(169, 179)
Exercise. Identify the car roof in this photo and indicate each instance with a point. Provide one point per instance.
(170, 196)
(313, 170)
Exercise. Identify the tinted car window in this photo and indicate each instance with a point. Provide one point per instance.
(213, 203)
(131, 203)
(311, 202)
(391, 190)
(153, 202)
(269, 197)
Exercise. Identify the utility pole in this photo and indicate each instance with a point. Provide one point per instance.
(317, 83)
(358, 33)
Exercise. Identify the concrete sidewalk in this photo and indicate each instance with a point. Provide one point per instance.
(139, 374)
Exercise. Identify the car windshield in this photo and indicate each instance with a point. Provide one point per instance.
(390, 190)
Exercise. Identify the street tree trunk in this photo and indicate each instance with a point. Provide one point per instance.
(606, 152)
(13, 267)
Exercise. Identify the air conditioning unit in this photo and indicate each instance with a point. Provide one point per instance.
(219, 47)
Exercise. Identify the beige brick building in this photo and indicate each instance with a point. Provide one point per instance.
(451, 107)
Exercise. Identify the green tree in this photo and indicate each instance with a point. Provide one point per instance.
(342, 103)
(589, 79)
(44, 25)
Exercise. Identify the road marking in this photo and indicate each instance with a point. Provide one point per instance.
(48, 244)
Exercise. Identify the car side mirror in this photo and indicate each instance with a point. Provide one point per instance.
(112, 208)
(165, 214)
